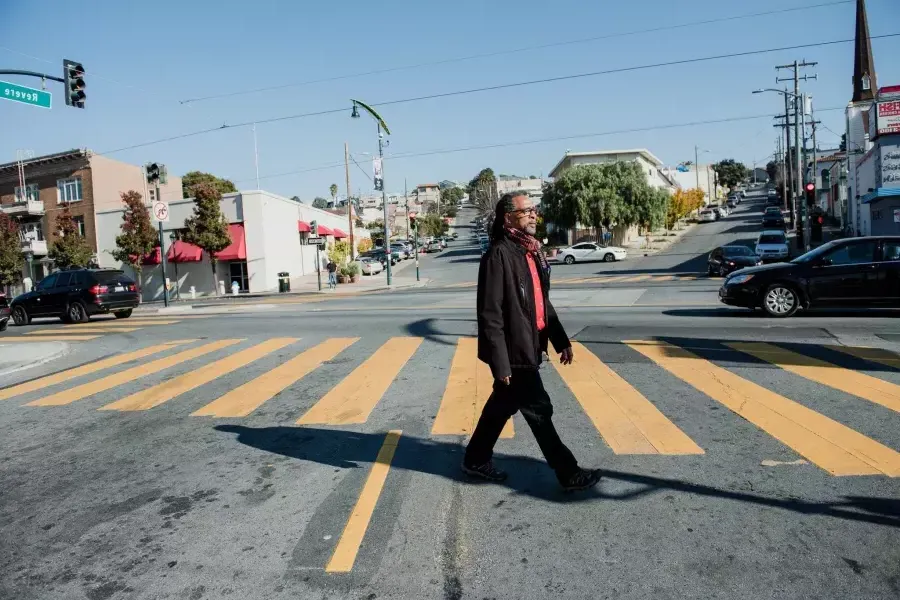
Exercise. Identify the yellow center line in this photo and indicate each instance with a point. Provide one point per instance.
(823, 441)
(354, 398)
(851, 382)
(626, 420)
(355, 530)
(243, 400)
(129, 375)
(83, 330)
(48, 338)
(876, 355)
(468, 387)
(165, 391)
(44, 382)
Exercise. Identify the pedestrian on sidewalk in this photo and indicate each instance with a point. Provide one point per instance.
(332, 275)
(515, 323)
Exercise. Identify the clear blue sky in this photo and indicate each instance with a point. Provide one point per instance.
(141, 60)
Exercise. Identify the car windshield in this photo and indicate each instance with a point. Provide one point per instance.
(815, 253)
(737, 251)
(771, 239)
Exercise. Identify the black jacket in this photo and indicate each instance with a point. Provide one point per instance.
(507, 328)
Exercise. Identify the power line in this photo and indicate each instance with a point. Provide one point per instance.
(505, 86)
(514, 51)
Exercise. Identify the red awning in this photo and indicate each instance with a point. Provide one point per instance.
(238, 248)
(182, 252)
(339, 234)
(324, 230)
(154, 258)
(302, 226)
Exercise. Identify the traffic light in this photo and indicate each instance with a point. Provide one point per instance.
(73, 79)
(412, 220)
(314, 228)
(810, 194)
(153, 172)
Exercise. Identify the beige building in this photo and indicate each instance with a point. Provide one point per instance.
(533, 187)
(35, 190)
(643, 157)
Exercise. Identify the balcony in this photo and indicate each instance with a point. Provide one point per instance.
(29, 208)
(36, 247)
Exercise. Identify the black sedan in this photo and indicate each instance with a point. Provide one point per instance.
(773, 221)
(854, 272)
(4, 312)
(727, 259)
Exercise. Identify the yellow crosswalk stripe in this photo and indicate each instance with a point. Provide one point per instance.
(823, 441)
(851, 382)
(876, 355)
(354, 398)
(244, 399)
(67, 332)
(119, 323)
(460, 285)
(129, 375)
(44, 382)
(628, 422)
(664, 278)
(165, 391)
(48, 338)
(468, 387)
(636, 279)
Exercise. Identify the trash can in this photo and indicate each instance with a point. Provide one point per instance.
(284, 282)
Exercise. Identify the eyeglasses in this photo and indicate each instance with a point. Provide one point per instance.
(524, 211)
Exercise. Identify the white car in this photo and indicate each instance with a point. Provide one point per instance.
(588, 251)
(772, 245)
(707, 215)
(722, 211)
(370, 266)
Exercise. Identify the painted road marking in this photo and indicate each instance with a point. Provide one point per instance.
(626, 420)
(353, 399)
(351, 539)
(636, 279)
(468, 388)
(876, 355)
(129, 375)
(851, 382)
(120, 323)
(47, 338)
(43, 382)
(165, 391)
(67, 332)
(823, 441)
(243, 400)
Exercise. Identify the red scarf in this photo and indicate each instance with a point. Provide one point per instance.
(531, 244)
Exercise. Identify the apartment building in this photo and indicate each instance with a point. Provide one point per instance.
(34, 191)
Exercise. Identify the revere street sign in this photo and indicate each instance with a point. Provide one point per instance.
(25, 95)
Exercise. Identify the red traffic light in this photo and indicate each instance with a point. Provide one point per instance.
(820, 220)
(810, 187)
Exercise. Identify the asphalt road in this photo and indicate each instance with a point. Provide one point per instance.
(743, 457)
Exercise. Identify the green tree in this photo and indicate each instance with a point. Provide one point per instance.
(584, 194)
(482, 191)
(69, 249)
(11, 259)
(450, 196)
(207, 227)
(138, 237)
(339, 252)
(333, 189)
(194, 178)
(771, 170)
(320, 202)
(431, 224)
(731, 172)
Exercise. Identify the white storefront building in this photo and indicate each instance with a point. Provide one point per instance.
(269, 235)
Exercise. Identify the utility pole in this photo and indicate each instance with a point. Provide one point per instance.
(787, 147)
(697, 164)
(349, 202)
(799, 203)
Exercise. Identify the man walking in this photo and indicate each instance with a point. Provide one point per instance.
(332, 274)
(515, 323)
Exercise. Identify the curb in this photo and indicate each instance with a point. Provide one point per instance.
(59, 353)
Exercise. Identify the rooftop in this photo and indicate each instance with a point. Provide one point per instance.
(48, 159)
(649, 156)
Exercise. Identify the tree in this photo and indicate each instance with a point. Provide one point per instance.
(207, 228)
(730, 172)
(138, 237)
(482, 191)
(376, 226)
(364, 244)
(451, 196)
(69, 249)
(11, 259)
(333, 189)
(772, 170)
(320, 202)
(194, 178)
(339, 252)
(297, 199)
(681, 204)
(431, 225)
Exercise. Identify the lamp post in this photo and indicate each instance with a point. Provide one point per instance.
(379, 177)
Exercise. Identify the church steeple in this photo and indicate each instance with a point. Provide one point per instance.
(864, 84)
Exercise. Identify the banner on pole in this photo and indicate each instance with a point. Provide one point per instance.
(379, 176)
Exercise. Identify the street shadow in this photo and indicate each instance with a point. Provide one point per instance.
(812, 313)
(528, 477)
(431, 330)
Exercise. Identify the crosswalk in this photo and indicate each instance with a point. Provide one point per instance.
(627, 278)
(630, 418)
(92, 330)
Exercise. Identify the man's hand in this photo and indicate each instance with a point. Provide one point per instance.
(566, 356)
(504, 379)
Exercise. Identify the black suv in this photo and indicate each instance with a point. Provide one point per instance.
(76, 295)
(4, 312)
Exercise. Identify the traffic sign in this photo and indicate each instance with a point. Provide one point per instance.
(25, 95)
(315, 240)
(161, 211)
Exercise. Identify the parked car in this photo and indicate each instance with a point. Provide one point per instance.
(434, 246)
(727, 259)
(731, 203)
(589, 251)
(370, 266)
(4, 312)
(707, 215)
(77, 295)
(401, 251)
(772, 244)
(853, 272)
(380, 256)
(773, 220)
(721, 211)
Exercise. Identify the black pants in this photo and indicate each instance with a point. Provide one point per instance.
(524, 393)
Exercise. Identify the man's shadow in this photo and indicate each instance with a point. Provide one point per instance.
(528, 476)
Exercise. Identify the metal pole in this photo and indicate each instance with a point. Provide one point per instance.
(787, 151)
(349, 202)
(815, 166)
(798, 189)
(697, 165)
(318, 265)
(387, 226)
(162, 253)
(804, 209)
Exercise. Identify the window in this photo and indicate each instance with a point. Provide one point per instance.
(78, 278)
(64, 280)
(32, 232)
(79, 224)
(582, 247)
(47, 282)
(68, 190)
(891, 250)
(859, 253)
(866, 82)
(28, 193)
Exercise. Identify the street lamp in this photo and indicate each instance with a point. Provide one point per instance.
(379, 176)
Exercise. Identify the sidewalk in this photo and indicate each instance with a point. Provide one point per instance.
(18, 356)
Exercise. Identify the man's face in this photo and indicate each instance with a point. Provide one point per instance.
(523, 216)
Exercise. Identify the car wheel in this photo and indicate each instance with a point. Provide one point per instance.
(20, 316)
(569, 259)
(709, 271)
(76, 313)
(3, 325)
(609, 257)
(780, 301)
(123, 314)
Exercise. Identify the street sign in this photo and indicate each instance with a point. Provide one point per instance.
(25, 95)
(161, 211)
(315, 240)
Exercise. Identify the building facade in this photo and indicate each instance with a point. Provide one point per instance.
(534, 188)
(643, 157)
